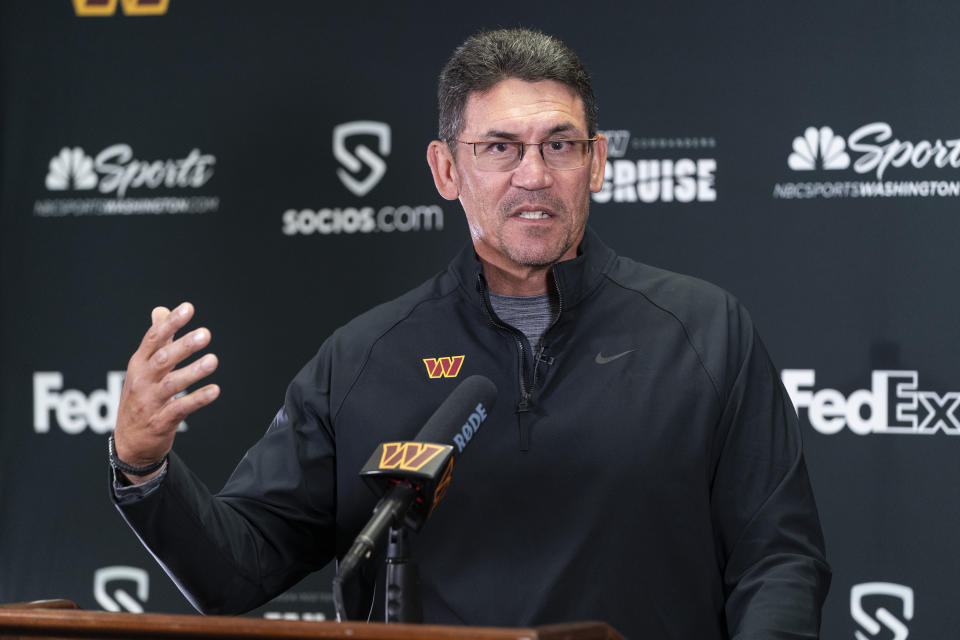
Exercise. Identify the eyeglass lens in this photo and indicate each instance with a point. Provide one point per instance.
(506, 155)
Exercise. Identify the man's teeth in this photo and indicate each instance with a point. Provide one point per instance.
(533, 215)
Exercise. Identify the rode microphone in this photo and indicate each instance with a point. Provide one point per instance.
(413, 476)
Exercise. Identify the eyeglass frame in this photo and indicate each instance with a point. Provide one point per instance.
(523, 149)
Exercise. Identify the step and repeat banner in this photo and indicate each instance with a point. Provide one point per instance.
(266, 161)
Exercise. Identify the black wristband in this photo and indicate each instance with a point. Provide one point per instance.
(120, 465)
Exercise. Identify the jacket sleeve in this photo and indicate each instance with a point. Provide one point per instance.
(765, 520)
(272, 523)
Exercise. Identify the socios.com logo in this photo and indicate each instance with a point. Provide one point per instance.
(111, 584)
(361, 155)
(106, 8)
(361, 170)
(868, 607)
(893, 404)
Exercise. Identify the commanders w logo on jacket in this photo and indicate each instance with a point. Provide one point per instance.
(445, 367)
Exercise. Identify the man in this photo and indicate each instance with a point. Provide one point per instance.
(642, 465)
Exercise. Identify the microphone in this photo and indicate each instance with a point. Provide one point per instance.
(413, 476)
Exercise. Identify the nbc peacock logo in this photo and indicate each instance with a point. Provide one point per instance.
(71, 169)
(818, 148)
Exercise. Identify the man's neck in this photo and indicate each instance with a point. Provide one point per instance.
(524, 281)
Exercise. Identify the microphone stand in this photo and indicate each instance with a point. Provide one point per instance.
(403, 579)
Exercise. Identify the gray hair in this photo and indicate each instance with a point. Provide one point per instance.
(488, 57)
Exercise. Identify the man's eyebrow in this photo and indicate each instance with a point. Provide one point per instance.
(561, 128)
(499, 135)
(496, 134)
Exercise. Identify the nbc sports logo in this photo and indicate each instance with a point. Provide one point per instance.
(818, 144)
(71, 168)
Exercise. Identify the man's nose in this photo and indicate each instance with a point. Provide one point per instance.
(532, 173)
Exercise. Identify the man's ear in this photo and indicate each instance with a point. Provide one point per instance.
(598, 163)
(444, 170)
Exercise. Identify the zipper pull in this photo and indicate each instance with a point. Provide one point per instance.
(542, 359)
(523, 424)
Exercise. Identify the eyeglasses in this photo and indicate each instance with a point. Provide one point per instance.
(505, 155)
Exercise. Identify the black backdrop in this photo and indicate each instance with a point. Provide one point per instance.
(801, 155)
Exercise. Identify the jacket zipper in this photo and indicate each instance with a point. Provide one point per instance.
(523, 406)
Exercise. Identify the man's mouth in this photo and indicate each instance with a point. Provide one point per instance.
(533, 215)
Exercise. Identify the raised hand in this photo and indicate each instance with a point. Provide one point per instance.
(149, 410)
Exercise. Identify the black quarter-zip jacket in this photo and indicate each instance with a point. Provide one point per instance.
(644, 468)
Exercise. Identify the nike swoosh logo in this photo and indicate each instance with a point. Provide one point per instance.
(602, 359)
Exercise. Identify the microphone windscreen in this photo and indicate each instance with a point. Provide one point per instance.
(459, 417)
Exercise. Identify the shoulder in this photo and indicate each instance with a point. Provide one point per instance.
(371, 325)
(343, 356)
(713, 321)
(693, 301)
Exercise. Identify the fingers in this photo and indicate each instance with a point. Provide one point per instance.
(177, 409)
(179, 379)
(165, 325)
(170, 355)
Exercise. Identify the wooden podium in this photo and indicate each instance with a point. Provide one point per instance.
(56, 619)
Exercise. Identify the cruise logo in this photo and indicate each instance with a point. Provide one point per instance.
(408, 456)
(650, 170)
(445, 367)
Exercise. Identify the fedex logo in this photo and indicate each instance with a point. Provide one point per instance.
(408, 456)
(445, 367)
(894, 403)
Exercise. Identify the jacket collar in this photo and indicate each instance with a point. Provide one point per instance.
(575, 278)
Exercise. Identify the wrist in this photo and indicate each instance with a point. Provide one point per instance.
(139, 474)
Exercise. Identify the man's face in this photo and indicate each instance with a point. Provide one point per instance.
(531, 216)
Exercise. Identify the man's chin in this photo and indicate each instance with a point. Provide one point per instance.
(525, 257)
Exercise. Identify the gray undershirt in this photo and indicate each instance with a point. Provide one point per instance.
(531, 315)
